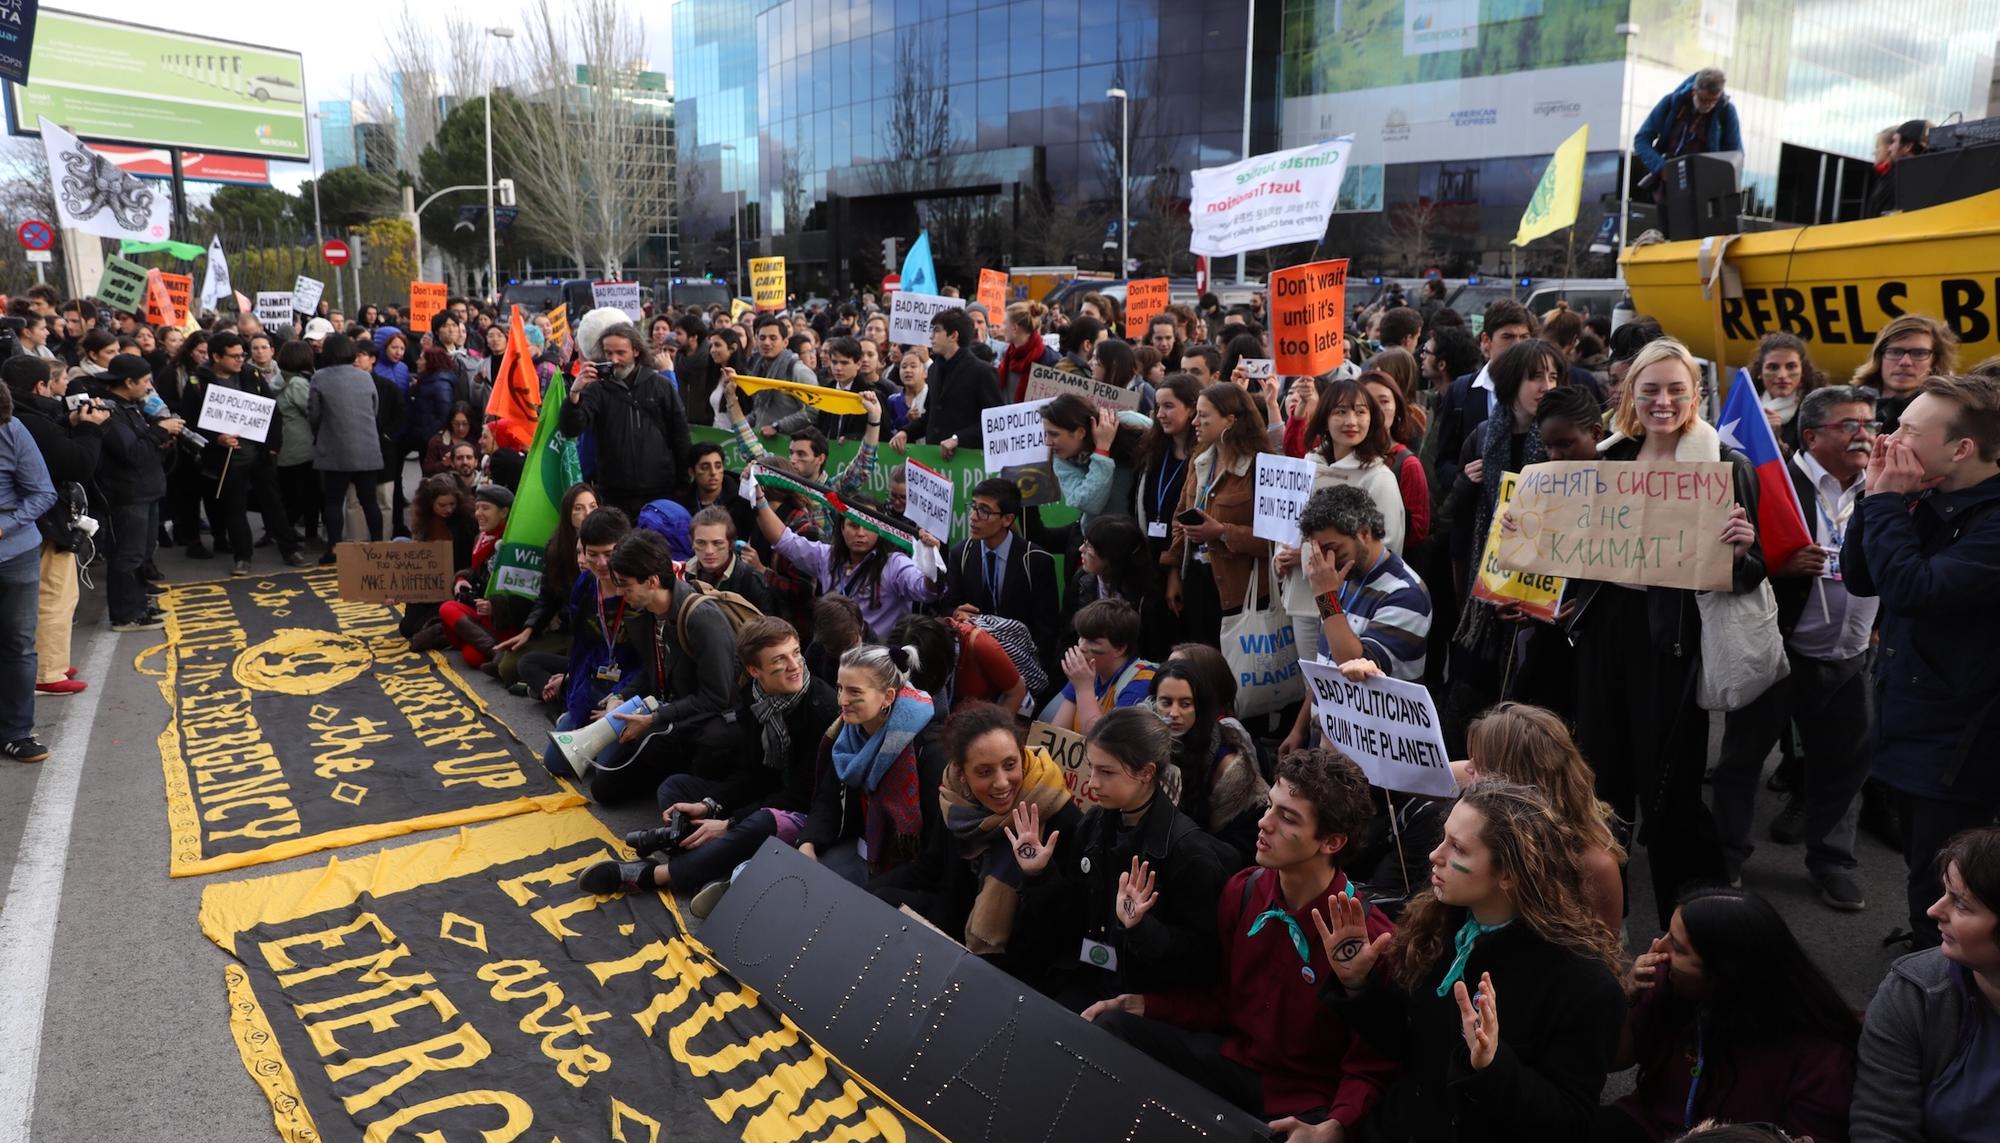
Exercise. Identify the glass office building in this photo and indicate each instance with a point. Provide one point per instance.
(833, 124)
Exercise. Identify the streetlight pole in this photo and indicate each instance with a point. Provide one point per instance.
(1249, 57)
(492, 226)
(1629, 32)
(737, 198)
(1124, 178)
(319, 229)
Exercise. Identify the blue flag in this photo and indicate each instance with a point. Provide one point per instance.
(918, 275)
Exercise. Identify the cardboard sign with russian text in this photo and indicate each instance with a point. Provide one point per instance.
(394, 572)
(1537, 594)
(1047, 382)
(1389, 727)
(1309, 318)
(1647, 524)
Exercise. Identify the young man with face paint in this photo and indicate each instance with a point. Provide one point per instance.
(1258, 1036)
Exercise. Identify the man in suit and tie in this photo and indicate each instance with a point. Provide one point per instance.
(996, 571)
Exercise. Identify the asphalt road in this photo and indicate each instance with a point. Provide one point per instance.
(112, 1016)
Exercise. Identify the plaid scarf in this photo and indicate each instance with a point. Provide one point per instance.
(771, 711)
(883, 766)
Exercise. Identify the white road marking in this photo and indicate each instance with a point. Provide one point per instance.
(34, 897)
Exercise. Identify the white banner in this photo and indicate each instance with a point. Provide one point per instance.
(232, 411)
(618, 295)
(1267, 200)
(1476, 117)
(1048, 381)
(1014, 435)
(94, 196)
(1284, 484)
(306, 293)
(910, 316)
(274, 309)
(1389, 727)
(930, 504)
(215, 279)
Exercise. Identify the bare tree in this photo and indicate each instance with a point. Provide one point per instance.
(411, 85)
(1055, 233)
(589, 144)
(918, 132)
(1414, 234)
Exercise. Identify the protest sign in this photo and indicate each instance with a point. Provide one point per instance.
(306, 293)
(394, 572)
(767, 284)
(1284, 484)
(1047, 382)
(1389, 727)
(274, 310)
(1647, 524)
(1035, 482)
(168, 297)
(1267, 200)
(1308, 318)
(910, 316)
(232, 411)
(840, 402)
(618, 296)
(1537, 595)
(1066, 748)
(1145, 298)
(559, 326)
(1014, 435)
(993, 295)
(123, 285)
(930, 503)
(427, 300)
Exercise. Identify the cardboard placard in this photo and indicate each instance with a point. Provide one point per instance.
(993, 295)
(1014, 435)
(400, 572)
(123, 285)
(1538, 595)
(176, 293)
(618, 295)
(306, 293)
(1284, 484)
(1648, 524)
(1145, 298)
(1308, 317)
(559, 325)
(1389, 727)
(1046, 382)
(427, 300)
(767, 284)
(1066, 748)
(274, 310)
(930, 499)
(232, 411)
(910, 316)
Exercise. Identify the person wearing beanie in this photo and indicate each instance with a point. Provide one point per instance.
(467, 621)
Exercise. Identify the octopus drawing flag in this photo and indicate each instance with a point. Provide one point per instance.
(93, 195)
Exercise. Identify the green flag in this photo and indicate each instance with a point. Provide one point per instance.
(550, 468)
(185, 251)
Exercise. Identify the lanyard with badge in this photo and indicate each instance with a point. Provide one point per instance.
(1156, 528)
(1833, 521)
(609, 672)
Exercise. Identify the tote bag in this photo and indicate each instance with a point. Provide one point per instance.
(1742, 654)
(1262, 651)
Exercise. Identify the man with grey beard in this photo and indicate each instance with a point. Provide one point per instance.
(1829, 693)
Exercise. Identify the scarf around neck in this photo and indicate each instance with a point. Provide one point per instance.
(982, 840)
(883, 766)
(771, 711)
(1468, 933)
(1019, 359)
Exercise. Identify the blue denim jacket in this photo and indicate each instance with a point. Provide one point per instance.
(25, 490)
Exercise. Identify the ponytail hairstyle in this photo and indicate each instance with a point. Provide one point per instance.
(1137, 738)
(1026, 316)
(936, 645)
(888, 668)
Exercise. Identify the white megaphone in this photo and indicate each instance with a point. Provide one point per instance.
(583, 747)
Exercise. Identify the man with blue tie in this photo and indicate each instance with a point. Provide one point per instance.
(998, 572)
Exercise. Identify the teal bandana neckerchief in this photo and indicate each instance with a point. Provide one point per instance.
(1462, 949)
(1291, 923)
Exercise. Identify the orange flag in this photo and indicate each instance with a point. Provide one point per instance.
(517, 392)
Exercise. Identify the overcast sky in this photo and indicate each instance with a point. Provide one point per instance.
(339, 40)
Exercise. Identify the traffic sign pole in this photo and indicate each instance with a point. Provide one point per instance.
(36, 237)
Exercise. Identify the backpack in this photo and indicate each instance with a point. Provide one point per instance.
(59, 524)
(1013, 637)
(738, 610)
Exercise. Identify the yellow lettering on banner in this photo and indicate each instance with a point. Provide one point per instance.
(390, 986)
(575, 1065)
(285, 824)
(677, 963)
(710, 1012)
(784, 1088)
(504, 776)
(551, 917)
(520, 1117)
(220, 791)
(278, 953)
(377, 1020)
(343, 740)
(436, 1054)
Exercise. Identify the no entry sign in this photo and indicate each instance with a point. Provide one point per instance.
(335, 252)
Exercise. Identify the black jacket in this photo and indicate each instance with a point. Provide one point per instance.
(961, 388)
(742, 513)
(249, 453)
(70, 451)
(1560, 1017)
(389, 415)
(1460, 410)
(700, 682)
(131, 465)
(1029, 591)
(641, 431)
(836, 807)
(738, 577)
(752, 785)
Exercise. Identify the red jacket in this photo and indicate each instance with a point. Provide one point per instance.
(1271, 1011)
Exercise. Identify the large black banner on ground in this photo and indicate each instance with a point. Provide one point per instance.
(462, 989)
(299, 722)
(960, 1044)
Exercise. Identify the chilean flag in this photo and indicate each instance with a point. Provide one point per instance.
(1781, 522)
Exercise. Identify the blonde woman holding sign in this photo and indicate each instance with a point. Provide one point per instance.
(1639, 648)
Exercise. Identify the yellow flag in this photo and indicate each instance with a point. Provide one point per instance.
(1553, 205)
(839, 402)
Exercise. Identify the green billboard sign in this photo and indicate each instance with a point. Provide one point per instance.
(121, 83)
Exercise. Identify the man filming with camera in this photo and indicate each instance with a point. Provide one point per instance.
(131, 475)
(636, 416)
(68, 429)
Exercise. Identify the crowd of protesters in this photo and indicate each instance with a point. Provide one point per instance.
(1218, 886)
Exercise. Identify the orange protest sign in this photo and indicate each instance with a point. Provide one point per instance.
(1144, 299)
(427, 299)
(167, 297)
(993, 295)
(1307, 322)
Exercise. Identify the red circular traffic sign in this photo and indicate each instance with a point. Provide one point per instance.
(36, 235)
(335, 252)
